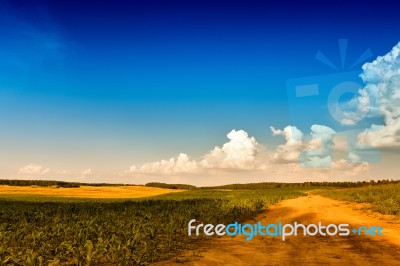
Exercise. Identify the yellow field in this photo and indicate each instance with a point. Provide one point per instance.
(111, 192)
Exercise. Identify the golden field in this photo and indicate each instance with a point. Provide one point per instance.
(111, 192)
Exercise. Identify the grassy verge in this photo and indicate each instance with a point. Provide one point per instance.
(383, 198)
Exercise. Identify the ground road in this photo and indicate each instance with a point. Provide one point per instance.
(306, 250)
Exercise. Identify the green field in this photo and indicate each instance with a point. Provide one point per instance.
(49, 230)
(383, 198)
(45, 230)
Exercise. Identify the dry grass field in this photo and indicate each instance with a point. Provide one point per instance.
(111, 192)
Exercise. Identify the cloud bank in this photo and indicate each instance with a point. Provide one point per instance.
(243, 153)
(238, 153)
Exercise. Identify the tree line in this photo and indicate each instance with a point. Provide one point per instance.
(261, 185)
(270, 185)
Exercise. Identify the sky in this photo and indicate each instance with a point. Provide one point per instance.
(199, 92)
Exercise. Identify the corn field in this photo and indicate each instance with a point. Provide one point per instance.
(118, 232)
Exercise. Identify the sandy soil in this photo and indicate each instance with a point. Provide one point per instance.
(306, 250)
(124, 192)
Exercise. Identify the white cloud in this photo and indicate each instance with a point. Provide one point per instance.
(243, 152)
(301, 154)
(240, 152)
(178, 164)
(382, 78)
(322, 139)
(33, 169)
(290, 151)
(319, 149)
(314, 153)
(365, 105)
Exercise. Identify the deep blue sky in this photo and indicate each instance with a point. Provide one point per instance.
(148, 79)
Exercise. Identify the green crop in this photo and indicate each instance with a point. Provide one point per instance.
(121, 232)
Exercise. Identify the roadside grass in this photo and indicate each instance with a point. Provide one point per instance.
(382, 198)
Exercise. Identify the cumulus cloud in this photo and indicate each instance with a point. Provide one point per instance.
(314, 153)
(243, 152)
(290, 151)
(239, 152)
(382, 78)
(33, 169)
(365, 105)
(319, 149)
(322, 139)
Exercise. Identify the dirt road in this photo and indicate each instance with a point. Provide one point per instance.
(307, 250)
